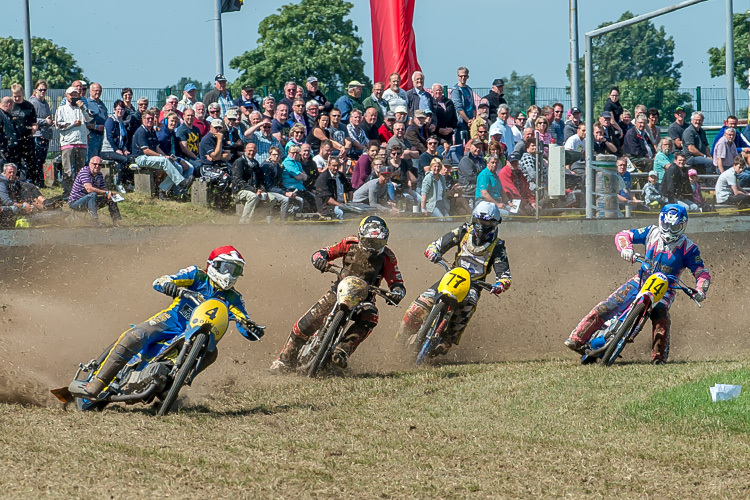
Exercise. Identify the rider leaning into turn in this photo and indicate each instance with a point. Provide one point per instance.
(225, 265)
(479, 251)
(365, 256)
(671, 252)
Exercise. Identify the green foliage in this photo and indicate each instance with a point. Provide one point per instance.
(309, 38)
(517, 91)
(176, 89)
(653, 92)
(716, 57)
(48, 61)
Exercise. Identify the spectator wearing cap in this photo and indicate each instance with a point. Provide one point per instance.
(488, 186)
(418, 97)
(501, 126)
(519, 122)
(652, 129)
(264, 140)
(394, 95)
(469, 167)
(695, 145)
(463, 101)
(614, 106)
(445, 118)
(71, 118)
(677, 127)
(219, 94)
(247, 99)
(313, 93)
(375, 100)
(611, 134)
(571, 126)
(516, 186)
(402, 114)
(290, 93)
(188, 97)
(351, 100)
(385, 132)
(417, 133)
(331, 188)
(496, 97)
(483, 118)
(211, 148)
(637, 145)
(725, 150)
(651, 192)
(374, 193)
(233, 139)
(434, 191)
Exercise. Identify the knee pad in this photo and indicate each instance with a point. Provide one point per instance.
(367, 316)
(296, 332)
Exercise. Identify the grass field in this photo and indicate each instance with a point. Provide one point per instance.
(547, 429)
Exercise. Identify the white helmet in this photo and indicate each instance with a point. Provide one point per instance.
(484, 221)
(225, 265)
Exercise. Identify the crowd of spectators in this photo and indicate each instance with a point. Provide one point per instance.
(423, 150)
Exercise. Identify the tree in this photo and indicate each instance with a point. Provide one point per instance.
(48, 61)
(716, 57)
(517, 91)
(653, 92)
(309, 38)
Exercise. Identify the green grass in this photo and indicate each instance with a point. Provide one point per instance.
(549, 429)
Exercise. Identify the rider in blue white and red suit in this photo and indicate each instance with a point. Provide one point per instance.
(671, 252)
(224, 266)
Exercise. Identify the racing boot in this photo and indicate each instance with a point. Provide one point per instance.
(574, 344)
(124, 349)
(414, 318)
(287, 360)
(583, 332)
(340, 357)
(660, 335)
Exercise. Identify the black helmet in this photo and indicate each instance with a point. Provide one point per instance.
(373, 234)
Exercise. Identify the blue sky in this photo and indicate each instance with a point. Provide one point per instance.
(109, 40)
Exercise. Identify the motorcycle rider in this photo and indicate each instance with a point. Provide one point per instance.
(365, 256)
(479, 251)
(225, 264)
(671, 252)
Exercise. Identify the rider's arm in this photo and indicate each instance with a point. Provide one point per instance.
(694, 262)
(182, 278)
(238, 312)
(449, 240)
(628, 238)
(391, 273)
(336, 251)
(500, 263)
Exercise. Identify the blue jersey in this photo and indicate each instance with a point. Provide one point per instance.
(196, 280)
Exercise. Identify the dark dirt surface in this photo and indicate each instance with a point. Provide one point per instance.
(61, 305)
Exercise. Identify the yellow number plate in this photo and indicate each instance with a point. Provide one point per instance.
(657, 285)
(456, 283)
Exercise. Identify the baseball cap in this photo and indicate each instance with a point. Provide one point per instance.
(248, 88)
(217, 123)
(232, 113)
(70, 90)
(692, 172)
(679, 109)
(606, 114)
(390, 115)
(477, 142)
(484, 104)
(514, 157)
(653, 174)
(386, 169)
(248, 103)
(498, 82)
(400, 109)
(419, 113)
(574, 111)
(314, 79)
(220, 78)
(189, 87)
(355, 83)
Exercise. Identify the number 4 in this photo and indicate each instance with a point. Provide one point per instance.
(211, 313)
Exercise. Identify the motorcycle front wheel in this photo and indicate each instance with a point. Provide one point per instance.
(187, 367)
(325, 345)
(617, 343)
(426, 338)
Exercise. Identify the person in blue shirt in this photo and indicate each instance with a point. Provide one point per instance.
(489, 187)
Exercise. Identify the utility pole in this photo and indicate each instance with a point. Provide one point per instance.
(729, 60)
(26, 50)
(573, 22)
(217, 38)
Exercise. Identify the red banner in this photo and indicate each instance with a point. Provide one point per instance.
(393, 45)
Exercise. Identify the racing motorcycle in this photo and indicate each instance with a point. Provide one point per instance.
(351, 294)
(607, 345)
(160, 369)
(451, 291)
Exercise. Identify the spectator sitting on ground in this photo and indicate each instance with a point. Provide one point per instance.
(313, 93)
(571, 126)
(375, 100)
(727, 190)
(652, 192)
(115, 147)
(740, 141)
(434, 189)
(638, 147)
(247, 99)
(725, 150)
(290, 93)
(188, 98)
(20, 197)
(247, 182)
(488, 186)
(663, 158)
(370, 124)
(357, 136)
(349, 101)
(90, 193)
(625, 194)
(324, 154)
(269, 107)
(200, 119)
(695, 145)
(296, 137)
(445, 115)
(280, 125)
(385, 132)
(675, 187)
(469, 168)
(697, 193)
(265, 141)
(211, 149)
(374, 193)
(418, 97)
(331, 189)
(273, 174)
(394, 95)
(483, 118)
(513, 182)
(363, 168)
(219, 95)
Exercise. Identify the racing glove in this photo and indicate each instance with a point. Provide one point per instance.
(320, 264)
(699, 296)
(500, 286)
(432, 254)
(397, 294)
(170, 289)
(628, 255)
(254, 330)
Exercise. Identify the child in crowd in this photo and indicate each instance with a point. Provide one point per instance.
(651, 193)
(697, 195)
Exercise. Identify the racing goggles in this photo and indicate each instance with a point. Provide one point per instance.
(373, 244)
(676, 228)
(229, 268)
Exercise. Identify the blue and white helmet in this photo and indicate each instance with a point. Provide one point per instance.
(672, 221)
(484, 221)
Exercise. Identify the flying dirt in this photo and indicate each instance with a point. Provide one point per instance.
(62, 304)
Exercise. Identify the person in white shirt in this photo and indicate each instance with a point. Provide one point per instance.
(395, 96)
(71, 118)
(727, 190)
(321, 159)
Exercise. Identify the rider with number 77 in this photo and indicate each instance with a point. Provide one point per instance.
(669, 251)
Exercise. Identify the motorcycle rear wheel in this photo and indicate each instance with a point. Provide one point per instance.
(187, 367)
(325, 345)
(617, 344)
(426, 340)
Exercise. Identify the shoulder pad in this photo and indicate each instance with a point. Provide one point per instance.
(389, 254)
(351, 239)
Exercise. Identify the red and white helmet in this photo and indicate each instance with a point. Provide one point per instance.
(225, 265)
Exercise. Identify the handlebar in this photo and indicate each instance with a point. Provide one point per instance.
(675, 283)
(197, 299)
(386, 294)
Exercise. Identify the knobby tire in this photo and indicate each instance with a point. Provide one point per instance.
(186, 368)
(612, 353)
(325, 345)
(428, 327)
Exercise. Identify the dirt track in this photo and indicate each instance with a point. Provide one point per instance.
(62, 305)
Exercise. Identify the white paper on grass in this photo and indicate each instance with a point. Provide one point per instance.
(724, 392)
